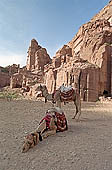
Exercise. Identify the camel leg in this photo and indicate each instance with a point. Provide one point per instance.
(45, 100)
(78, 107)
(52, 130)
(79, 111)
(41, 127)
(57, 99)
(53, 105)
(78, 116)
(58, 104)
(76, 111)
(48, 133)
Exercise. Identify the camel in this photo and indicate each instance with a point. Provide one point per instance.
(45, 94)
(54, 121)
(60, 97)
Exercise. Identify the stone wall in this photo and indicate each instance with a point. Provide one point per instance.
(89, 84)
(50, 80)
(5, 74)
(4, 79)
(16, 80)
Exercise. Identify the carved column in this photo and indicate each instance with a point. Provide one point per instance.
(87, 87)
(111, 72)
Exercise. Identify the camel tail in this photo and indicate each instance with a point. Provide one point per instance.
(79, 81)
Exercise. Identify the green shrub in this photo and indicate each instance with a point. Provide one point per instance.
(9, 95)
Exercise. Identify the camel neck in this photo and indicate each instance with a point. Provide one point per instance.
(45, 93)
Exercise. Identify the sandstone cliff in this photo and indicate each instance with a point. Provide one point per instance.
(88, 55)
(93, 43)
(37, 56)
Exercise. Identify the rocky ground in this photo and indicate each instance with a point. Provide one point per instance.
(87, 145)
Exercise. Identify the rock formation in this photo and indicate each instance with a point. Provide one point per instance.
(93, 43)
(33, 72)
(88, 57)
(37, 56)
(4, 79)
(5, 74)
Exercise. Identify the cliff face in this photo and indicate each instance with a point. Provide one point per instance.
(93, 42)
(88, 55)
(105, 13)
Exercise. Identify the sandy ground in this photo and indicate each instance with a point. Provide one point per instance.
(87, 145)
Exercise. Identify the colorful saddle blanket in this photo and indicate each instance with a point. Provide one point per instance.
(67, 96)
(59, 119)
(61, 122)
(47, 118)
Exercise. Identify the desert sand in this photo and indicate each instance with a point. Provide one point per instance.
(87, 145)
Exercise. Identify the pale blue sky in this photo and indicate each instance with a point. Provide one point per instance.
(52, 23)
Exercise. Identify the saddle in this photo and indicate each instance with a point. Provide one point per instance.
(67, 94)
(64, 89)
(61, 122)
(47, 118)
(60, 118)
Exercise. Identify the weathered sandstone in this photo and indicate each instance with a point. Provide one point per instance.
(37, 56)
(87, 57)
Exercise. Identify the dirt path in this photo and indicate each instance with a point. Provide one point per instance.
(87, 145)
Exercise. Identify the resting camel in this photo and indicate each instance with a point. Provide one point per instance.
(58, 97)
(54, 121)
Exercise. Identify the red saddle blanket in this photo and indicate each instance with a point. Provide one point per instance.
(47, 118)
(67, 96)
(61, 122)
(59, 119)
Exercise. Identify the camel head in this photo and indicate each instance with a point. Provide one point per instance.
(41, 88)
(26, 147)
(30, 141)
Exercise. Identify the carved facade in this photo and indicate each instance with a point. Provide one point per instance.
(93, 43)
